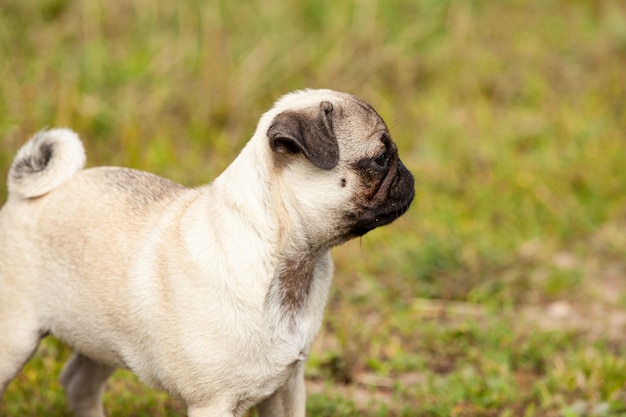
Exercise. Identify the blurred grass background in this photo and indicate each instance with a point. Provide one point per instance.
(500, 293)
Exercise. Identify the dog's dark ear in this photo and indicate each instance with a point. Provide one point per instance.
(309, 132)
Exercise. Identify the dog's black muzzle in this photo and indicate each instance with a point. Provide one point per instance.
(392, 199)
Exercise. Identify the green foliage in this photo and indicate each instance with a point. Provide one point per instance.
(498, 294)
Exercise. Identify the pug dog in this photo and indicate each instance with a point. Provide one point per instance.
(214, 293)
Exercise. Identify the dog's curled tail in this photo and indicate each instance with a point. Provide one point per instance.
(47, 160)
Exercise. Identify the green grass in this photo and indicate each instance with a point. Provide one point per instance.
(500, 293)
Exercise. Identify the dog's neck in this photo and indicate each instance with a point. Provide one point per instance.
(298, 263)
(298, 293)
(293, 279)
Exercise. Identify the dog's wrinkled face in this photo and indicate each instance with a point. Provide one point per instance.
(344, 164)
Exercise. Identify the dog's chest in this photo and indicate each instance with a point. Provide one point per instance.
(241, 350)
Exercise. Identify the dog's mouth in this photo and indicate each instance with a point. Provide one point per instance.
(369, 219)
(397, 200)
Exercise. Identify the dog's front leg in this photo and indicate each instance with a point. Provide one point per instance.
(289, 400)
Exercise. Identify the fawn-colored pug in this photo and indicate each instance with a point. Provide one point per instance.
(214, 293)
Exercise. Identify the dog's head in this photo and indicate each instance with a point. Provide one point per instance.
(335, 158)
